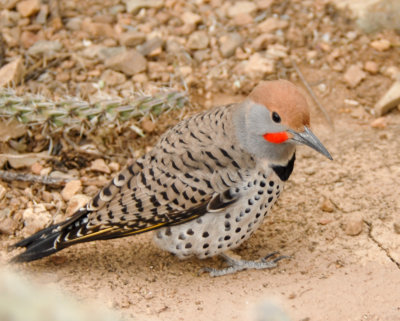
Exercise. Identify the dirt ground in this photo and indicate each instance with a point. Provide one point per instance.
(338, 220)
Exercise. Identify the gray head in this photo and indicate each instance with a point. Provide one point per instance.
(273, 120)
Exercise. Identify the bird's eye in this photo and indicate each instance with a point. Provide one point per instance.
(275, 117)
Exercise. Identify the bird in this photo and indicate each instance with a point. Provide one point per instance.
(204, 188)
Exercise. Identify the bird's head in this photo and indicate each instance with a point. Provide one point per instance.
(273, 119)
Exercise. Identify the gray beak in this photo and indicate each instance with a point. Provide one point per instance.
(308, 138)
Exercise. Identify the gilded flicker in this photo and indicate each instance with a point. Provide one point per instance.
(204, 188)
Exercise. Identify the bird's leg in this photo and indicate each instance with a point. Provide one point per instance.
(236, 265)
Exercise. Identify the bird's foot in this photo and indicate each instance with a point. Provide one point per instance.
(235, 265)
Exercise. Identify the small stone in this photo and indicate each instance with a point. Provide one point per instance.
(371, 66)
(190, 18)
(28, 38)
(41, 17)
(353, 224)
(257, 66)
(36, 168)
(28, 8)
(74, 23)
(389, 100)
(76, 202)
(228, 43)
(70, 189)
(242, 19)
(277, 51)
(2, 192)
(379, 123)
(129, 62)
(150, 46)
(35, 218)
(396, 226)
(327, 205)
(8, 226)
(113, 78)
(114, 166)
(148, 126)
(241, 7)
(99, 165)
(354, 75)
(132, 38)
(12, 73)
(380, 45)
(262, 41)
(198, 40)
(133, 6)
(97, 29)
(45, 47)
(272, 24)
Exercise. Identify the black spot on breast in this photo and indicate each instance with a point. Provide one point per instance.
(188, 245)
(205, 245)
(262, 184)
(190, 232)
(227, 237)
(205, 234)
(270, 199)
(247, 210)
(227, 226)
(168, 231)
(227, 215)
(220, 246)
(238, 230)
(182, 237)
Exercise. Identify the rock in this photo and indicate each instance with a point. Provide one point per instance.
(241, 7)
(371, 66)
(97, 29)
(354, 75)
(76, 202)
(99, 165)
(327, 205)
(277, 51)
(198, 40)
(45, 47)
(396, 226)
(377, 15)
(114, 166)
(379, 123)
(133, 6)
(150, 46)
(2, 192)
(113, 78)
(190, 18)
(242, 19)
(132, 38)
(353, 224)
(389, 100)
(36, 168)
(380, 45)
(74, 23)
(10, 129)
(70, 189)
(9, 19)
(257, 66)
(28, 8)
(272, 24)
(12, 73)
(35, 218)
(8, 226)
(148, 126)
(129, 62)
(228, 43)
(41, 17)
(261, 41)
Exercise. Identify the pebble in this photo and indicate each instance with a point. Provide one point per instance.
(277, 51)
(132, 38)
(353, 76)
(28, 8)
(372, 67)
(396, 226)
(272, 24)
(150, 46)
(133, 6)
(97, 29)
(148, 125)
(113, 78)
(353, 224)
(379, 123)
(74, 23)
(257, 66)
(129, 62)
(45, 47)
(12, 73)
(198, 40)
(262, 41)
(35, 218)
(381, 45)
(99, 165)
(8, 226)
(241, 7)
(2, 192)
(114, 166)
(242, 19)
(70, 189)
(36, 168)
(389, 100)
(228, 44)
(327, 205)
(76, 202)
(190, 18)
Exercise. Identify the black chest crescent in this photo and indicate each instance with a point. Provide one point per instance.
(284, 172)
